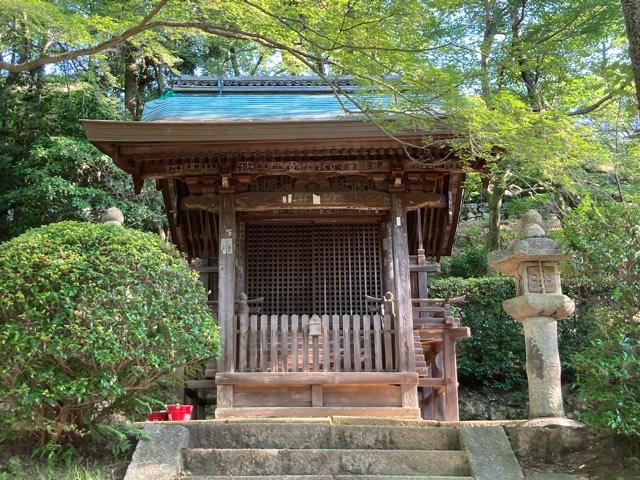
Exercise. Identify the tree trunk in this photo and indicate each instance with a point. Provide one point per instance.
(490, 31)
(631, 11)
(495, 194)
(131, 83)
(233, 58)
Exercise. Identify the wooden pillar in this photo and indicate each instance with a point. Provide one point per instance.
(404, 320)
(226, 293)
(423, 291)
(388, 282)
(451, 409)
(241, 284)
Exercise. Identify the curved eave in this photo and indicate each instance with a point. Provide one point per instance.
(237, 131)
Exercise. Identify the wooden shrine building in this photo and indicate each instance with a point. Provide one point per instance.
(311, 229)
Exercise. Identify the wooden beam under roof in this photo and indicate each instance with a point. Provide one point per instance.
(348, 200)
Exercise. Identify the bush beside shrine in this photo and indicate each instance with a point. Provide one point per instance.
(494, 356)
(92, 316)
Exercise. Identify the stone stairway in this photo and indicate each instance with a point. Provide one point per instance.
(316, 451)
(336, 448)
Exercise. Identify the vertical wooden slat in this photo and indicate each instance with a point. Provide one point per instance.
(264, 320)
(346, 333)
(253, 343)
(315, 342)
(305, 343)
(388, 343)
(347, 245)
(377, 335)
(294, 343)
(284, 342)
(274, 343)
(366, 333)
(243, 346)
(326, 348)
(357, 358)
(366, 257)
(335, 319)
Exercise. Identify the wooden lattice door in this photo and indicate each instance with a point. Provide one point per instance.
(315, 269)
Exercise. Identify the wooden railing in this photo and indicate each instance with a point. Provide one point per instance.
(313, 343)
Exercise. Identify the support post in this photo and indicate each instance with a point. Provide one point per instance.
(240, 257)
(404, 320)
(423, 291)
(226, 293)
(387, 257)
(451, 409)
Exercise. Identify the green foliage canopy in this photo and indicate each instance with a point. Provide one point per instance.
(605, 239)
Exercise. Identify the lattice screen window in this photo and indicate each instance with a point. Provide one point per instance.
(321, 268)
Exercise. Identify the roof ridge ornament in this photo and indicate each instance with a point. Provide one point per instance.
(264, 84)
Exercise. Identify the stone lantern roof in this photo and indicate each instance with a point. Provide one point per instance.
(532, 247)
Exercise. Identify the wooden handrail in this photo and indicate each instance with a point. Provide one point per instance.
(461, 300)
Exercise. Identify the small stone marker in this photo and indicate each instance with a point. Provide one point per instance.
(112, 216)
(533, 261)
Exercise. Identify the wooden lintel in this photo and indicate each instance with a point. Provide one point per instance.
(318, 378)
(322, 200)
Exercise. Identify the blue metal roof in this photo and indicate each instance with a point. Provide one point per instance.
(250, 106)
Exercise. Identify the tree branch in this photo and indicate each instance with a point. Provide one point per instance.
(594, 106)
(112, 42)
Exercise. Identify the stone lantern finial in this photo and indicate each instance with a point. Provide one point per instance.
(533, 261)
(112, 216)
(531, 224)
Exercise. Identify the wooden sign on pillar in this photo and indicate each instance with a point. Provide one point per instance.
(226, 293)
(227, 280)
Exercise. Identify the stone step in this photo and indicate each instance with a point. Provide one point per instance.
(327, 477)
(321, 436)
(265, 462)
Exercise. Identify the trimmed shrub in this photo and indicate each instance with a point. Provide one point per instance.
(92, 316)
(494, 356)
(472, 262)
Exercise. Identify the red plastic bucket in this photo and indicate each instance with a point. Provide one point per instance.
(179, 412)
(157, 417)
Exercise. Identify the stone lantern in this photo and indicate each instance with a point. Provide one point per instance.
(533, 261)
